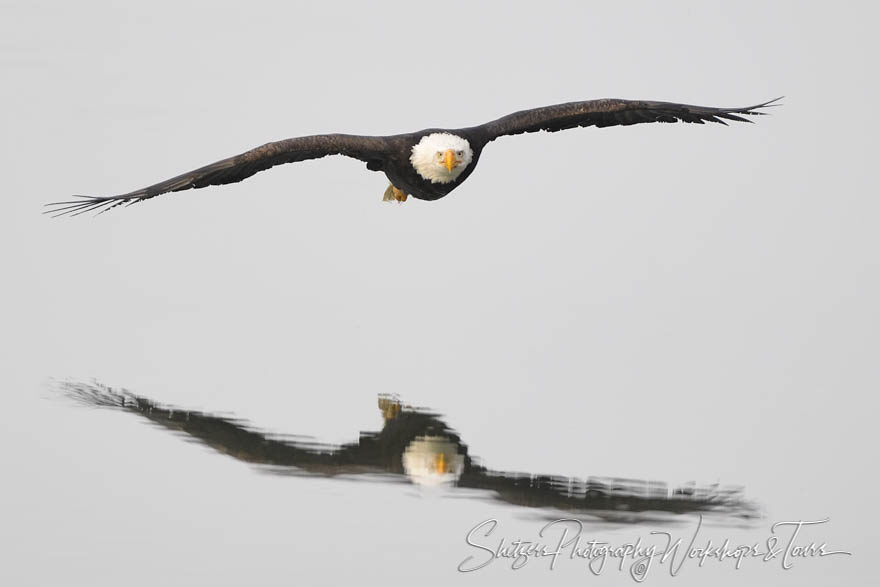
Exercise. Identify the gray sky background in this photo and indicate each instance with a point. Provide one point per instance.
(672, 302)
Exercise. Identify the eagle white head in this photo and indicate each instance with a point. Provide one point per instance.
(441, 157)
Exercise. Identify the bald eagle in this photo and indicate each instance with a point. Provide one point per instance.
(427, 164)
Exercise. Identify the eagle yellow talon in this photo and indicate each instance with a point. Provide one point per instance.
(392, 194)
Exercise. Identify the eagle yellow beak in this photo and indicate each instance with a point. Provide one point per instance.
(449, 159)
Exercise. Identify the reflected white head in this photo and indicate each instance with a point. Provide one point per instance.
(441, 157)
(430, 461)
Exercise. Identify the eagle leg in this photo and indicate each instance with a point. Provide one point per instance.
(393, 194)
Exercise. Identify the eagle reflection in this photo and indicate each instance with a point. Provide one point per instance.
(417, 446)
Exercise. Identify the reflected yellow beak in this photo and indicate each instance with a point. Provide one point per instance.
(440, 459)
(449, 159)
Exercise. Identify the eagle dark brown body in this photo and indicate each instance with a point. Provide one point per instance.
(402, 174)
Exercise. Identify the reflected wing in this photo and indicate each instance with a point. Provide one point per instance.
(239, 167)
(609, 498)
(613, 112)
(226, 435)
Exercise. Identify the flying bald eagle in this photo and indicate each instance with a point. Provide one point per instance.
(427, 164)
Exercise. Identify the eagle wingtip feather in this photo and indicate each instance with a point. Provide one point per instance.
(76, 207)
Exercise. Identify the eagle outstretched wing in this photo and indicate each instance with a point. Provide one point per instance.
(612, 112)
(233, 169)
